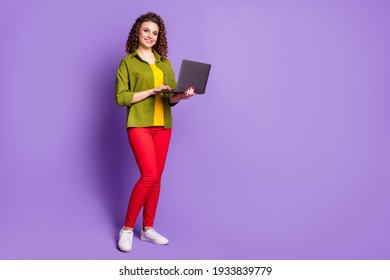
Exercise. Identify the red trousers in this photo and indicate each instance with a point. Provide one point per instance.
(150, 148)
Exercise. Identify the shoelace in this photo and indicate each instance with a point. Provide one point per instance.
(128, 235)
(155, 234)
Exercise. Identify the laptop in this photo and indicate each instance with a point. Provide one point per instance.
(192, 73)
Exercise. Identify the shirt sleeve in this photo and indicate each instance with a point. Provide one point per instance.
(123, 95)
(172, 83)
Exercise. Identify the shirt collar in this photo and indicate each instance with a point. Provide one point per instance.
(135, 54)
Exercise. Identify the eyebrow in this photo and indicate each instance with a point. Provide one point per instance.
(146, 28)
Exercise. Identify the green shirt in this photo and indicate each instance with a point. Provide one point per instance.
(135, 75)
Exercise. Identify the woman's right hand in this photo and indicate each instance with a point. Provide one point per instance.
(157, 89)
(139, 96)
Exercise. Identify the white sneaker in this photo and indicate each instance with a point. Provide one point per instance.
(125, 242)
(153, 236)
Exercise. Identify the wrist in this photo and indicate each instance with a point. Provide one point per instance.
(174, 99)
(178, 98)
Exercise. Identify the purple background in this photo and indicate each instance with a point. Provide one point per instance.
(287, 155)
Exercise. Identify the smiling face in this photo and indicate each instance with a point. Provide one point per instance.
(148, 34)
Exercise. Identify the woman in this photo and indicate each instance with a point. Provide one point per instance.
(141, 73)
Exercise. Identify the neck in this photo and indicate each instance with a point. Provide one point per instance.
(147, 55)
(145, 51)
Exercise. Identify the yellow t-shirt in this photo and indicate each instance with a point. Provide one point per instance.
(158, 103)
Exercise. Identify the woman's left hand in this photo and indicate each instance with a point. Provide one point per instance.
(186, 95)
(189, 93)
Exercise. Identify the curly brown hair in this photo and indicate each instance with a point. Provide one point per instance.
(161, 45)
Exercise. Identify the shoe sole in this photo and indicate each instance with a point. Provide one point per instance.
(123, 250)
(153, 241)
